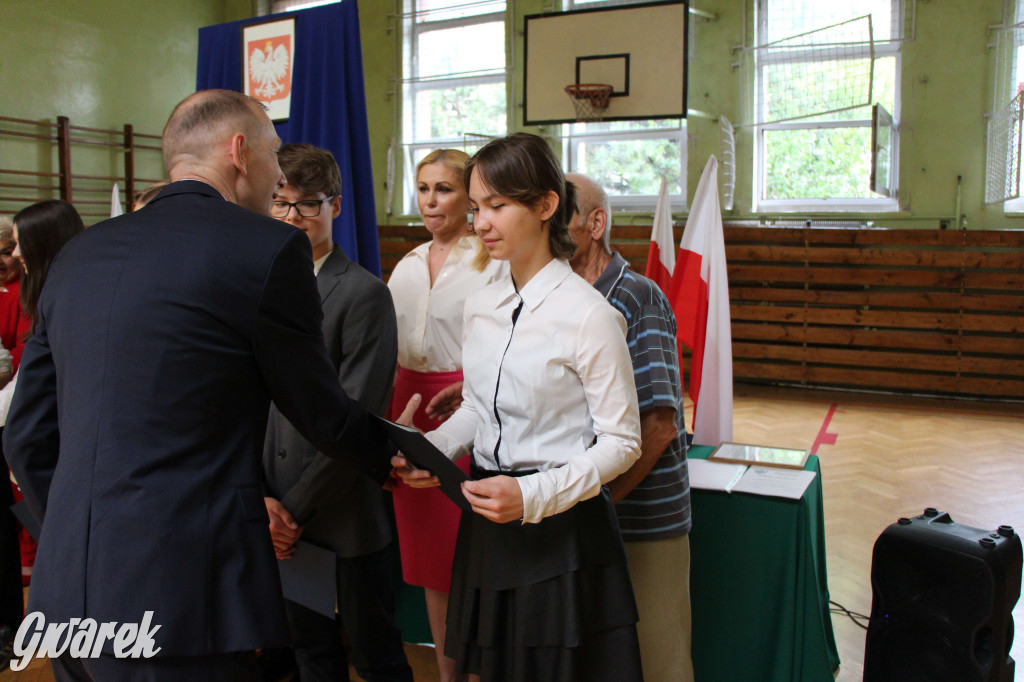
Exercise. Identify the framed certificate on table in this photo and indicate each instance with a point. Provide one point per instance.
(763, 455)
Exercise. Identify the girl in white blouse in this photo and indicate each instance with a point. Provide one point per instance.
(540, 589)
(429, 287)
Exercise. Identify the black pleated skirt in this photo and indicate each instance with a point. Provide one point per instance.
(543, 602)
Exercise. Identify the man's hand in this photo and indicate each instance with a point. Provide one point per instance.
(498, 498)
(657, 430)
(444, 404)
(283, 529)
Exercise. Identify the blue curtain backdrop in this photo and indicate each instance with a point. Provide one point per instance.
(328, 106)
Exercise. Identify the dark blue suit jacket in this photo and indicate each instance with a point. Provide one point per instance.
(137, 427)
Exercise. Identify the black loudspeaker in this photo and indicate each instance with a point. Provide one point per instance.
(942, 599)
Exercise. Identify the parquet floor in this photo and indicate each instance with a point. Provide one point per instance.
(882, 457)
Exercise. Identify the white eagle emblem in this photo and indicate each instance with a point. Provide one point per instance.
(268, 70)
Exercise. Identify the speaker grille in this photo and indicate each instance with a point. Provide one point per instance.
(910, 652)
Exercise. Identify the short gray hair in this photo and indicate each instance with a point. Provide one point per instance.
(592, 196)
(607, 206)
(205, 117)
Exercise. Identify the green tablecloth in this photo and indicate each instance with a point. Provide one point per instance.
(759, 588)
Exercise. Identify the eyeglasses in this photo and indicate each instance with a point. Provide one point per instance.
(307, 208)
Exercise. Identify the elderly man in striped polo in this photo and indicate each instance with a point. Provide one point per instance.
(653, 497)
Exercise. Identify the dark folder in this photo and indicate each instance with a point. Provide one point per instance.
(26, 517)
(424, 455)
(308, 578)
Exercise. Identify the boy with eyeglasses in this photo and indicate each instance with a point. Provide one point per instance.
(308, 496)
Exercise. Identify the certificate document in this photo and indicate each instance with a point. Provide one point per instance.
(424, 455)
(774, 482)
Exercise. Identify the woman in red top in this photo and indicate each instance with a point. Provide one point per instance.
(14, 326)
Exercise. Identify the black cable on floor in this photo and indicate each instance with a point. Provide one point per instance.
(853, 615)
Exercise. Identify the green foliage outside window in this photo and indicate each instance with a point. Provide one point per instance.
(467, 109)
(630, 167)
(817, 163)
(811, 164)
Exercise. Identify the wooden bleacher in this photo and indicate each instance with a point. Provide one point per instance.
(907, 311)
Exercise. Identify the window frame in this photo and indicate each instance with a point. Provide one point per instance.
(1015, 19)
(880, 50)
(629, 202)
(412, 84)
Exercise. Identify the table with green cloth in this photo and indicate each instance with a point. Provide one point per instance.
(758, 586)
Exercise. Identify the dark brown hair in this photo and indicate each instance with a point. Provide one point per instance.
(310, 169)
(523, 168)
(43, 229)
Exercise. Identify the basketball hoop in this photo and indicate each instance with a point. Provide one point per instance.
(589, 99)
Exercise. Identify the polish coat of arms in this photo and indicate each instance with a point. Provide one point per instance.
(270, 67)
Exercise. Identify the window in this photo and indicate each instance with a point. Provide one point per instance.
(628, 158)
(454, 92)
(818, 69)
(1002, 177)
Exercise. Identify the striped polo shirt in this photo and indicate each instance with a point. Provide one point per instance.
(659, 507)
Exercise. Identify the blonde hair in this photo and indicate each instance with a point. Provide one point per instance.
(456, 159)
(147, 195)
(452, 158)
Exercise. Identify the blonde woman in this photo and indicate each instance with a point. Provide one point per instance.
(430, 286)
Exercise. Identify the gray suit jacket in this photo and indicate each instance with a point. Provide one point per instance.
(341, 509)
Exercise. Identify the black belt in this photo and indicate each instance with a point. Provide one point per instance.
(478, 472)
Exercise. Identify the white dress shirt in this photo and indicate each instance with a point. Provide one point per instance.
(319, 262)
(537, 393)
(430, 318)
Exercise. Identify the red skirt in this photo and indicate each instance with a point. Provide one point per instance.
(428, 522)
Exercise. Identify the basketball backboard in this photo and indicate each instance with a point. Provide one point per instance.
(640, 50)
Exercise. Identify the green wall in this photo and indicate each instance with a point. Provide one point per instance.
(108, 63)
(380, 35)
(947, 90)
(101, 63)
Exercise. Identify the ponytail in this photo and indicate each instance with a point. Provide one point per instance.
(559, 240)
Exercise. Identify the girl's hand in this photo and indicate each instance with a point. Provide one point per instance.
(411, 476)
(497, 499)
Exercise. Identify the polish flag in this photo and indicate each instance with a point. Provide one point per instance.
(116, 208)
(661, 257)
(699, 293)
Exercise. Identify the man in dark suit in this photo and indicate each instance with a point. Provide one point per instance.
(339, 509)
(137, 426)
